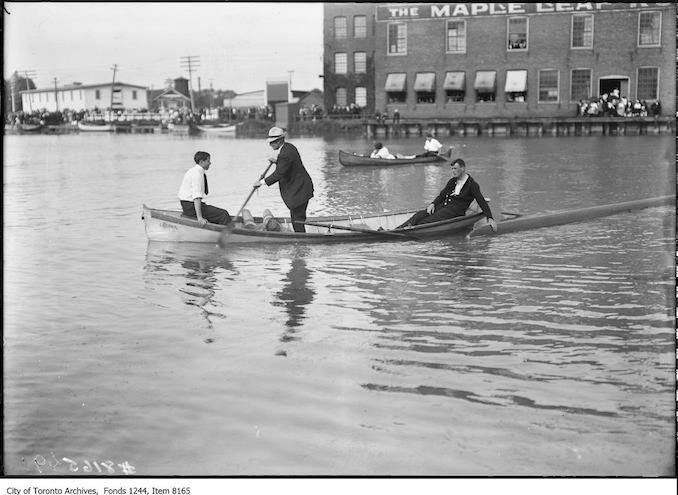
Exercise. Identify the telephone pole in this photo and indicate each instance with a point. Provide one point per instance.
(28, 74)
(190, 62)
(289, 95)
(110, 112)
(56, 95)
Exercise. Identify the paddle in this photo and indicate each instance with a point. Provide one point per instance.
(358, 229)
(252, 191)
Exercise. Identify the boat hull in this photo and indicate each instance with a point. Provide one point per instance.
(96, 128)
(172, 226)
(216, 129)
(353, 160)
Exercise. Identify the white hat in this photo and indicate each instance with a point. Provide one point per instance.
(274, 134)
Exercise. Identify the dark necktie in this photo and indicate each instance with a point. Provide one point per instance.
(207, 191)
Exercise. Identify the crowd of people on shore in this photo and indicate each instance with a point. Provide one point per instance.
(314, 112)
(614, 105)
(351, 111)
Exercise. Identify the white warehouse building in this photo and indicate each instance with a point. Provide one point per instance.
(78, 96)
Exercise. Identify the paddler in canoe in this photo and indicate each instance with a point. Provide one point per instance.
(193, 190)
(431, 147)
(453, 200)
(296, 186)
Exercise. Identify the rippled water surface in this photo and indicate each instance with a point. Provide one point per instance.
(547, 352)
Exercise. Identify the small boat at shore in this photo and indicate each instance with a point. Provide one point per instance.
(173, 226)
(93, 127)
(216, 128)
(34, 128)
(353, 159)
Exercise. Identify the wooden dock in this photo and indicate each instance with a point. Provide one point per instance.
(536, 126)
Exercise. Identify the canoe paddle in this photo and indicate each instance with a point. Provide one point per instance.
(358, 229)
(252, 191)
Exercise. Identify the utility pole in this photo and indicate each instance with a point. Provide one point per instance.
(28, 74)
(190, 62)
(114, 69)
(56, 95)
(12, 87)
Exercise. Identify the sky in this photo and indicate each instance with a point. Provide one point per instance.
(239, 45)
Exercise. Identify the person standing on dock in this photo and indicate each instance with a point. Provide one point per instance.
(453, 200)
(296, 186)
(431, 147)
(193, 190)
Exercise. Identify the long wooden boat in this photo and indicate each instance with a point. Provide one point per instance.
(30, 127)
(172, 226)
(353, 159)
(85, 127)
(216, 128)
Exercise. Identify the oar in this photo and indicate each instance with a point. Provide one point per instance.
(252, 191)
(358, 229)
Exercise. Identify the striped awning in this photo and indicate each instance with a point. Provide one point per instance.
(425, 82)
(396, 82)
(455, 81)
(516, 81)
(485, 81)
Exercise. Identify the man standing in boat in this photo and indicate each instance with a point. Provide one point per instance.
(453, 200)
(194, 188)
(296, 186)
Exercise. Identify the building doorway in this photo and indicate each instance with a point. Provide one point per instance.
(608, 84)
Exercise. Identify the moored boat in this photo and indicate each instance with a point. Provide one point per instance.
(216, 128)
(30, 127)
(92, 127)
(172, 226)
(353, 159)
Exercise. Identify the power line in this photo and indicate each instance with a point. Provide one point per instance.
(191, 62)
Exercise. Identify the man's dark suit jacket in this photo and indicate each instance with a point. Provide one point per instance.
(469, 191)
(296, 187)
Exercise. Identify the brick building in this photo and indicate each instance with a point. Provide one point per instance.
(497, 59)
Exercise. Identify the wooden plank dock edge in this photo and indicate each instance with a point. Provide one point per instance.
(571, 216)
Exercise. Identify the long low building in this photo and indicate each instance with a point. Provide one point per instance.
(86, 97)
(457, 60)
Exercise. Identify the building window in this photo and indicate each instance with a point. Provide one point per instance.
(340, 29)
(80, 94)
(648, 79)
(396, 88)
(361, 96)
(486, 86)
(397, 39)
(360, 26)
(40, 97)
(582, 31)
(134, 94)
(455, 87)
(97, 94)
(649, 24)
(341, 97)
(515, 88)
(71, 95)
(548, 86)
(456, 36)
(425, 87)
(340, 63)
(580, 86)
(63, 96)
(360, 62)
(517, 33)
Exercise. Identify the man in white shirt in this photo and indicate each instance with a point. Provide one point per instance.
(194, 188)
(432, 146)
(381, 151)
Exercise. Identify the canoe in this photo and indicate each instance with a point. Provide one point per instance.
(96, 127)
(217, 129)
(353, 159)
(173, 226)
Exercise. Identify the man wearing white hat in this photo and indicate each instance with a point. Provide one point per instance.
(296, 186)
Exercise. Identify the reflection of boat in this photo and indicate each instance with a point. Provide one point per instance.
(172, 226)
(30, 127)
(353, 159)
(92, 127)
(216, 128)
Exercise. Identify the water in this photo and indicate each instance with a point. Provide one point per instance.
(547, 352)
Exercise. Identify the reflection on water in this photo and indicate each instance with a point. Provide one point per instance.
(296, 293)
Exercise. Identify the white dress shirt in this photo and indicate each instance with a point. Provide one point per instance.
(193, 185)
(382, 153)
(432, 145)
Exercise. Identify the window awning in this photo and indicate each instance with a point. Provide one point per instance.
(396, 82)
(516, 81)
(425, 82)
(455, 81)
(485, 81)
